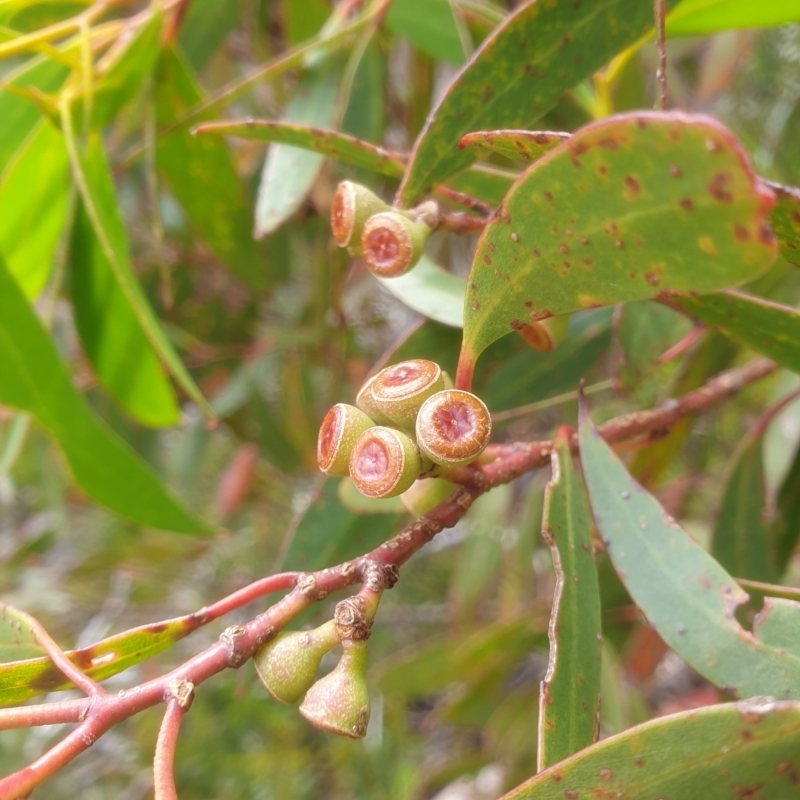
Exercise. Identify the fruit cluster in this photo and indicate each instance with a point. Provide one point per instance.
(407, 420)
(390, 240)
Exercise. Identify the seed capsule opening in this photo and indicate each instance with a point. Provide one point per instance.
(384, 462)
(392, 243)
(453, 427)
(343, 213)
(340, 428)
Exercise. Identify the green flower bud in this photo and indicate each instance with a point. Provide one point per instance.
(288, 664)
(391, 243)
(453, 428)
(384, 462)
(400, 390)
(352, 206)
(340, 428)
(426, 494)
(339, 702)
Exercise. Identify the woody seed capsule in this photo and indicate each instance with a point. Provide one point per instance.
(340, 428)
(352, 206)
(400, 390)
(384, 462)
(391, 243)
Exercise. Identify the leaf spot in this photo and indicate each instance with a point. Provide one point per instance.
(719, 189)
(606, 775)
(741, 233)
(632, 184)
(675, 171)
(706, 244)
(686, 204)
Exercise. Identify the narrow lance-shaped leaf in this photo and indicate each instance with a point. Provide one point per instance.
(34, 188)
(339, 146)
(527, 146)
(34, 379)
(26, 672)
(289, 172)
(704, 17)
(110, 333)
(685, 594)
(786, 528)
(629, 208)
(96, 187)
(518, 74)
(768, 328)
(569, 700)
(725, 749)
(742, 541)
(202, 176)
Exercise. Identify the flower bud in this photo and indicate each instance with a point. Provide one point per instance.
(340, 428)
(353, 205)
(400, 390)
(453, 427)
(391, 243)
(339, 702)
(384, 462)
(426, 494)
(288, 664)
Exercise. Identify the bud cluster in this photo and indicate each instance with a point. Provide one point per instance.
(407, 419)
(390, 240)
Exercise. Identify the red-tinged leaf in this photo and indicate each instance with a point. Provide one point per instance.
(518, 74)
(630, 208)
(768, 328)
(339, 146)
(569, 700)
(527, 146)
(685, 594)
(735, 750)
(22, 679)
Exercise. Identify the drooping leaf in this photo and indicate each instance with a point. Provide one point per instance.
(34, 379)
(96, 187)
(786, 528)
(725, 749)
(527, 146)
(742, 541)
(685, 594)
(339, 146)
(486, 183)
(329, 533)
(111, 336)
(784, 219)
(34, 189)
(628, 208)
(202, 176)
(427, 288)
(22, 679)
(428, 25)
(289, 172)
(704, 17)
(518, 74)
(766, 327)
(569, 699)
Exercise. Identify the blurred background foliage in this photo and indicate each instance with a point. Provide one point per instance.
(275, 329)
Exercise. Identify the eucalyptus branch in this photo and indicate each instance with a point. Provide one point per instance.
(179, 701)
(500, 464)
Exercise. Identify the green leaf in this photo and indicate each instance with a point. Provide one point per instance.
(742, 541)
(569, 700)
(766, 327)
(17, 640)
(726, 749)
(685, 594)
(96, 186)
(20, 680)
(110, 333)
(527, 146)
(703, 17)
(629, 208)
(34, 379)
(329, 533)
(518, 74)
(784, 219)
(431, 291)
(339, 146)
(644, 331)
(289, 173)
(122, 75)
(18, 113)
(204, 28)
(489, 184)
(202, 176)
(33, 196)
(786, 529)
(429, 25)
